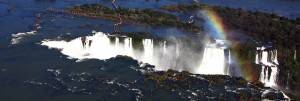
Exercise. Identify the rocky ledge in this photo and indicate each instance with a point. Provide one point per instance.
(129, 79)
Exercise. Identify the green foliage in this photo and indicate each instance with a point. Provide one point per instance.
(283, 33)
(293, 70)
(146, 16)
(263, 27)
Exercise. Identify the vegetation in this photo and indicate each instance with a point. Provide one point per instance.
(244, 54)
(145, 16)
(282, 33)
(263, 27)
(184, 81)
(135, 35)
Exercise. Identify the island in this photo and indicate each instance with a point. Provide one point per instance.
(128, 15)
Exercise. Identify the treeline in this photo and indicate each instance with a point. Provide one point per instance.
(145, 16)
(263, 27)
(282, 33)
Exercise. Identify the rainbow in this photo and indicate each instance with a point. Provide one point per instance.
(217, 29)
(215, 24)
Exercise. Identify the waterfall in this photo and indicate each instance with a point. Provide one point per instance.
(148, 51)
(213, 60)
(295, 55)
(267, 58)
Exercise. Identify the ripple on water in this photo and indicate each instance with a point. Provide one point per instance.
(20, 37)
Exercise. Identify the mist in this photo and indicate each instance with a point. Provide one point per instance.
(181, 54)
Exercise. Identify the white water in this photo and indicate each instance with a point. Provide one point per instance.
(19, 37)
(213, 61)
(268, 61)
(178, 57)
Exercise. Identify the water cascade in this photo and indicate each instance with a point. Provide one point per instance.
(295, 55)
(213, 57)
(213, 60)
(267, 58)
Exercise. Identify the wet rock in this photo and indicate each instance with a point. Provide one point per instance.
(272, 94)
(256, 84)
(129, 79)
(135, 35)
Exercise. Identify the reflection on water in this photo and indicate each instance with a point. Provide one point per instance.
(163, 54)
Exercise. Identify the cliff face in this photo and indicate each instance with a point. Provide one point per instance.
(289, 64)
(281, 33)
(264, 29)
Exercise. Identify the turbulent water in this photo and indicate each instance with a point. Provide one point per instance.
(215, 57)
(19, 37)
(164, 56)
(267, 58)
